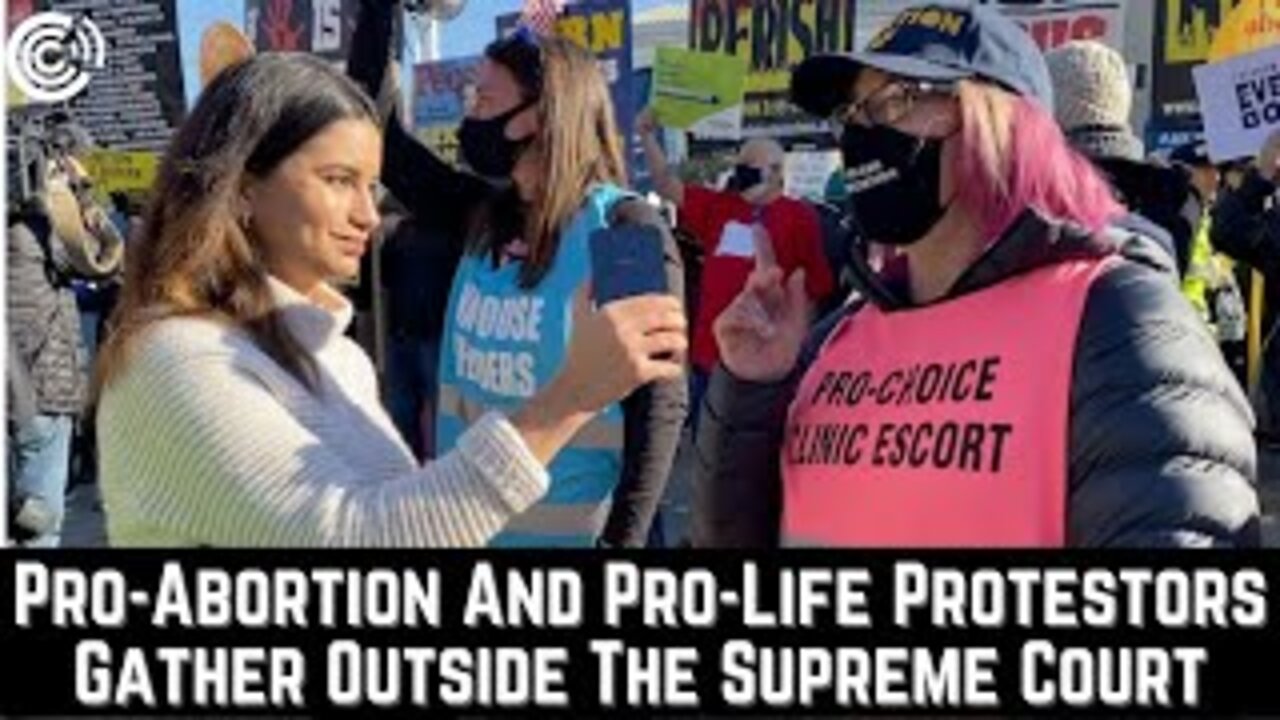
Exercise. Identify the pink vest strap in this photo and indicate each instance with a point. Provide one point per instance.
(940, 426)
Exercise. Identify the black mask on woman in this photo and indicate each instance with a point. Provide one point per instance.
(485, 146)
(744, 178)
(893, 180)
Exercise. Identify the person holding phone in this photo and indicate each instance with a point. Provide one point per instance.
(1022, 374)
(234, 411)
(722, 221)
(547, 172)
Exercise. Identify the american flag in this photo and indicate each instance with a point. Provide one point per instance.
(540, 15)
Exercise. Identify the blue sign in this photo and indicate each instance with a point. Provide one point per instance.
(441, 90)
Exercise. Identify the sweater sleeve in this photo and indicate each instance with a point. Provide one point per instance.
(208, 452)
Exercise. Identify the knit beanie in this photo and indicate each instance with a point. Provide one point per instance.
(1092, 99)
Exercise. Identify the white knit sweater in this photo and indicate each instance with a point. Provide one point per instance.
(205, 440)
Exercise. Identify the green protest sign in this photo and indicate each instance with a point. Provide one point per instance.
(699, 92)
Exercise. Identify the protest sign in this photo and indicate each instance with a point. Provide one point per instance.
(807, 172)
(122, 171)
(1240, 98)
(1252, 25)
(136, 101)
(774, 36)
(699, 92)
(442, 92)
(1051, 23)
(322, 27)
(1184, 30)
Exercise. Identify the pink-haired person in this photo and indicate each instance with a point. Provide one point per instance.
(1023, 374)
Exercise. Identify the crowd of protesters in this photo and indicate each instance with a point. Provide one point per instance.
(1008, 325)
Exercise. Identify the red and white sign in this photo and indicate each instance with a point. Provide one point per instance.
(1051, 22)
(1056, 24)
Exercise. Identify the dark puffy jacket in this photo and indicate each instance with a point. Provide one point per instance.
(1160, 453)
(43, 320)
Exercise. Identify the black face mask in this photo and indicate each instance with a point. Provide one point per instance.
(744, 178)
(893, 181)
(485, 146)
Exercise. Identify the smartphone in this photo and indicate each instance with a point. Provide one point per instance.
(627, 261)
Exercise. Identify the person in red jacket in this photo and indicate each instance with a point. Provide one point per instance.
(722, 222)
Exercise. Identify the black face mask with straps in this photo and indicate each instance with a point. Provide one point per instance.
(894, 182)
(744, 178)
(485, 146)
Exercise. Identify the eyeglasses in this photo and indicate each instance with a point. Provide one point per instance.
(887, 105)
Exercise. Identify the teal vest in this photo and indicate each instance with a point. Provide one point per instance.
(501, 344)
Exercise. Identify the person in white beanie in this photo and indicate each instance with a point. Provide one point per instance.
(1093, 97)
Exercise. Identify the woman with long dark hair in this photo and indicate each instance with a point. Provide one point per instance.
(233, 411)
(547, 170)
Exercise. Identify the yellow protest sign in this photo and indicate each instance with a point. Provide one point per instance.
(121, 170)
(1252, 25)
(1190, 27)
(774, 38)
(701, 92)
(443, 140)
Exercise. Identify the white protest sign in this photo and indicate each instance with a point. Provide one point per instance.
(1240, 101)
(807, 172)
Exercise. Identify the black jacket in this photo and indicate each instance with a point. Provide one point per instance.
(1162, 195)
(417, 273)
(44, 323)
(1160, 452)
(1248, 231)
(1245, 229)
(444, 203)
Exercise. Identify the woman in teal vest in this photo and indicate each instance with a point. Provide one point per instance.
(546, 157)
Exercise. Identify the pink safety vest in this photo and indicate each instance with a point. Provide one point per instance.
(941, 426)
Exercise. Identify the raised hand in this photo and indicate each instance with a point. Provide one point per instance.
(646, 123)
(760, 334)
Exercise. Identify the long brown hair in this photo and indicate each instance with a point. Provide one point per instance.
(192, 256)
(578, 142)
